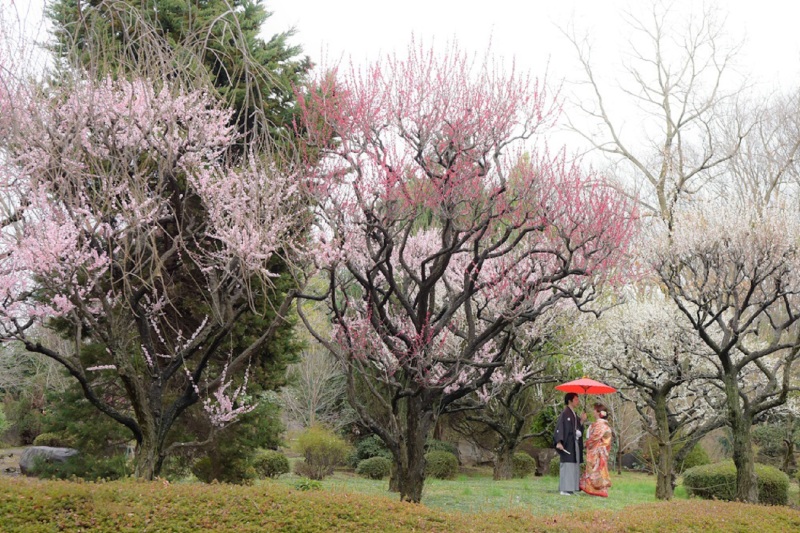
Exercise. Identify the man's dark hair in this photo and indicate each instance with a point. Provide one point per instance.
(569, 396)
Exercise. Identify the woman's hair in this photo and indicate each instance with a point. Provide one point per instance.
(602, 410)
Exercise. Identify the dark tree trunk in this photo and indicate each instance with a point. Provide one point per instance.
(664, 465)
(411, 465)
(503, 464)
(147, 462)
(743, 457)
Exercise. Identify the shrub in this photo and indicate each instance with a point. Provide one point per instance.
(307, 484)
(697, 456)
(225, 469)
(323, 450)
(53, 439)
(374, 467)
(270, 463)
(367, 448)
(3, 421)
(434, 445)
(83, 467)
(554, 468)
(441, 465)
(524, 465)
(718, 481)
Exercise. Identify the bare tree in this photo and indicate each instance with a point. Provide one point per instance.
(670, 124)
(317, 390)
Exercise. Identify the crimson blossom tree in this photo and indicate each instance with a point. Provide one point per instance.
(117, 201)
(440, 238)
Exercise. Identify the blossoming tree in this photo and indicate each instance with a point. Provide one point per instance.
(659, 365)
(118, 201)
(440, 237)
(732, 271)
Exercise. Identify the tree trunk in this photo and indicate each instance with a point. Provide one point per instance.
(664, 465)
(743, 458)
(394, 478)
(620, 453)
(503, 464)
(741, 423)
(411, 464)
(146, 461)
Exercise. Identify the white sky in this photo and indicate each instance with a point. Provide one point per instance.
(523, 29)
(527, 30)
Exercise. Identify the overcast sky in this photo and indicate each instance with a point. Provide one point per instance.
(525, 30)
(528, 30)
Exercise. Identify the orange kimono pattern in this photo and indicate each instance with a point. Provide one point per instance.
(595, 479)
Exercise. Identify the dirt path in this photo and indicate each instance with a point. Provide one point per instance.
(9, 461)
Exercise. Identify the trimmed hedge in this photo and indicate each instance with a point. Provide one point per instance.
(271, 464)
(441, 465)
(30, 505)
(366, 448)
(718, 481)
(554, 468)
(374, 468)
(697, 456)
(524, 465)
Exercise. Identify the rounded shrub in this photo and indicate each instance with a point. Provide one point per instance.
(323, 450)
(270, 463)
(697, 456)
(435, 445)
(718, 481)
(524, 465)
(374, 468)
(366, 448)
(554, 468)
(224, 469)
(441, 465)
(52, 439)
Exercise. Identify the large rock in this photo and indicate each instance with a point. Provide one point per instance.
(48, 453)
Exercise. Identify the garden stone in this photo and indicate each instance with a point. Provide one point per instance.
(50, 454)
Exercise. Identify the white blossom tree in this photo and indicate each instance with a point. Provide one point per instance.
(733, 274)
(661, 367)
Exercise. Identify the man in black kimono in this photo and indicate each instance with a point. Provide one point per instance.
(568, 440)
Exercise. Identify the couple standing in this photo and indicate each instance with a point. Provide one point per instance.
(568, 439)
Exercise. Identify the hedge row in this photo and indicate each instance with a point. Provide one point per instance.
(28, 505)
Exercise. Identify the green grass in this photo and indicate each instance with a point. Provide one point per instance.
(478, 493)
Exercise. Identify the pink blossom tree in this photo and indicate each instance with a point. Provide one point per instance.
(440, 237)
(118, 201)
(732, 271)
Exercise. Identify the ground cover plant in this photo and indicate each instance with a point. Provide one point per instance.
(28, 505)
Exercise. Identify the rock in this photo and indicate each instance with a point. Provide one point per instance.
(49, 453)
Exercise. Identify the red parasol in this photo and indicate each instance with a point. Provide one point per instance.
(586, 386)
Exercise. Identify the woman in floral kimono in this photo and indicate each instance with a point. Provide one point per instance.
(595, 479)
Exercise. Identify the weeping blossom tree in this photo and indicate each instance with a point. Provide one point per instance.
(440, 237)
(118, 201)
(733, 274)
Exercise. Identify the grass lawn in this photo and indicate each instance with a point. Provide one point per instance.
(476, 492)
